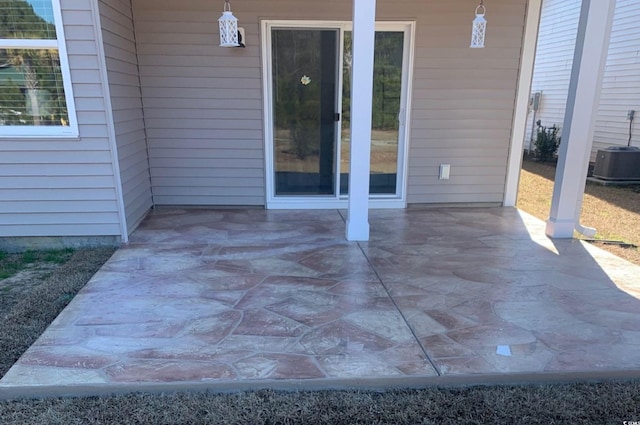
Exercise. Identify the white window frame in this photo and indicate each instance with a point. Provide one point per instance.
(47, 131)
(395, 201)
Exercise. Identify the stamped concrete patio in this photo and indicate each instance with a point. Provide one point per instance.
(249, 296)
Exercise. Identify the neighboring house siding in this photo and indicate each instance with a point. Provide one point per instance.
(621, 81)
(64, 187)
(554, 60)
(126, 100)
(203, 103)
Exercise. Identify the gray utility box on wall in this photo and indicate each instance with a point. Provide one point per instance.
(618, 163)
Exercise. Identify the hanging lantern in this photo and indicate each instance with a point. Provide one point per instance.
(479, 28)
(228, 27)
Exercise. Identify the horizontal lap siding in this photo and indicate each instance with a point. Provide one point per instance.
(621, 83)
(203, 103)
(554, 60)
(463, 101)
(126, 100)
(64, 187)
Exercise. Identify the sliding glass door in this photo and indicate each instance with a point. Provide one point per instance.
(387, 98)
(309, 112)
(304, 80)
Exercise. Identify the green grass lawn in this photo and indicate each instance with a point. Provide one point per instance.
(10, 264)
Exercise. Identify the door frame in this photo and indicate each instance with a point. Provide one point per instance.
(398, 200)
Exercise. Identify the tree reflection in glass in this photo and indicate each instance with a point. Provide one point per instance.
(31, 87)
(387, 90)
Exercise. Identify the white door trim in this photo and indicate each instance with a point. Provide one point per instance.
(337, 201)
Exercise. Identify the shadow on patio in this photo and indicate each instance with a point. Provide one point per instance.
(237, 296)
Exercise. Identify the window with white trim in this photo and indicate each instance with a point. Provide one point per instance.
(35, 88)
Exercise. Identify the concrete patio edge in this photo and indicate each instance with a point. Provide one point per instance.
(295, 385)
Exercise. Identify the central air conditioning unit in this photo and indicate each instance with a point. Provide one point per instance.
(618, 163)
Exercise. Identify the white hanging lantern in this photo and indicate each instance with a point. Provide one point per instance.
(228, 27)
(479, 28)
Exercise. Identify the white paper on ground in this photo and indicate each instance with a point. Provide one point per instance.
(503, 350)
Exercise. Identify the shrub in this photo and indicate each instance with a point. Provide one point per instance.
(547, 143)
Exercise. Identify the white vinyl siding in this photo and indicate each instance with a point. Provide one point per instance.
(203, 103)
(621, 81)
(554, 59)
(126, 100)
(54, 187)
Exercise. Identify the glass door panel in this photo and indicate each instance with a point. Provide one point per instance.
(387, 92)
(304, 94)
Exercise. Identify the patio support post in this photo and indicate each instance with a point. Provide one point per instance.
(525, 78)
(364, 22)
(592, 44)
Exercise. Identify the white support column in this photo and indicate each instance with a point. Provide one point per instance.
(522, 102)
(592, 44)
(364, 23)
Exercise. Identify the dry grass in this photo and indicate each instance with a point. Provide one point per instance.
(42, 299)
(604, 403)
(384, 154)
(613, 211)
